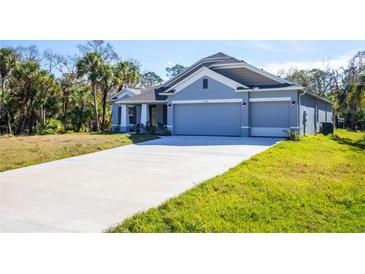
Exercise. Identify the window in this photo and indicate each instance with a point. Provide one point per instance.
(317, 114)
(205, 83)
(132, 115)
(119, 115)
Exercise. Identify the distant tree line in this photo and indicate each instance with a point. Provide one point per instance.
(43, 92)
(345, 87)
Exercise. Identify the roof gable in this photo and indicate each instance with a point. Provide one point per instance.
(202, 72)
(150, 95)
(230, 67)
(218, 58)
(126, 92)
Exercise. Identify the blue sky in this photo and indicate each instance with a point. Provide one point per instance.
(269, 55)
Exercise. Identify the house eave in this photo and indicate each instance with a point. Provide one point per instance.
(252, 68)
(270, 89)
(319, 97)
(141, 102)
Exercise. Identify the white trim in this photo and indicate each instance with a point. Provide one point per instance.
(295, 127)
(169, 126)
(269, 132)
(210, 101)
(140, 102)
(252, 68)
(166, 94)
(270, 99)
(204, 72)
(127, 91)
(124, 113)
(144, 114)
(245, 127)
(270, 89)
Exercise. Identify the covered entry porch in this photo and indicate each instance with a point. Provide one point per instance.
(133, 115)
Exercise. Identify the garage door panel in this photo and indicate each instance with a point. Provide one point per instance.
(269, 118)
(207, 119)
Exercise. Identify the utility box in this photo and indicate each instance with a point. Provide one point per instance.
(326, 128)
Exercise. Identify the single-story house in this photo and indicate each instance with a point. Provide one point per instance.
(221, 95)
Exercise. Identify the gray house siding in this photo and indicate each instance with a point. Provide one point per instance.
(215, 90)
(307, 114)
(313, 112)
(115, 116)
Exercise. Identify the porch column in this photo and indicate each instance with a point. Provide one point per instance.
(144, 114)
(124, 121)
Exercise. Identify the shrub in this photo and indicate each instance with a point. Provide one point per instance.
(52, 126)
(150, 129)
(293, 135)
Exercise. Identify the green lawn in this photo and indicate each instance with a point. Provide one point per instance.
(24, 151)
(315, 185)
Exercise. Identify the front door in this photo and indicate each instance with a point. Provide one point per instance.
(153, 114)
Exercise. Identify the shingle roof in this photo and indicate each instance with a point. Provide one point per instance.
(149, 95)
(222, 58)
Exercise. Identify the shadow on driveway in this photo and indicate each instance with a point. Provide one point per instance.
(210, 141)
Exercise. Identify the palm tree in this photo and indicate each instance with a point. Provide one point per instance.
(356, 99)
(108, 81)
(26, 81)
(7, 63)
(127, 73)
(90, 66)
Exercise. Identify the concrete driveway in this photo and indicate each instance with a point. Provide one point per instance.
(89, 193)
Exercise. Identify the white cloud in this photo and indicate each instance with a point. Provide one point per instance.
(334, 63)
(169, 64)
(264, 46)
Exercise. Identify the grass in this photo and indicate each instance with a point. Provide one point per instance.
(24, 151)
(315, 185)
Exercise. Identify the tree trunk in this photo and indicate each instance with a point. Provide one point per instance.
(23, 109)
(2, 84)
(353, 117)
(95, 108)
(105, 94)
(8, 122)
(1, 93)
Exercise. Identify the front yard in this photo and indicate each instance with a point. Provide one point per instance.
(315, 185)
(24, 151)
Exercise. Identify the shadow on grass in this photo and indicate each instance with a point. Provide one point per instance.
(135, 138)
(139, 138)
(359, 144)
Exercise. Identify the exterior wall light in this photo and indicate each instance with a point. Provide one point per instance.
(293, 102)
(244, 104)
(169, 105)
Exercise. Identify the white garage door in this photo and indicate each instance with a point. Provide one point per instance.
(269, 119)
(222, 119)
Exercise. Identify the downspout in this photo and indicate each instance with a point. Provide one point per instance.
(299, 104)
